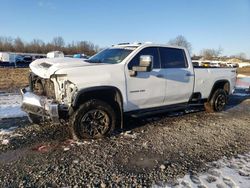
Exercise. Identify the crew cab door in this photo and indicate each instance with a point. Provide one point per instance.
(146, 89)
(179, 75)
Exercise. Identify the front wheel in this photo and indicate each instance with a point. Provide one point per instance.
(33, 118)
(93, 119)
(217, 102)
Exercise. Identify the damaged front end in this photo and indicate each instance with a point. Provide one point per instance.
(39, 105)
(49, 98)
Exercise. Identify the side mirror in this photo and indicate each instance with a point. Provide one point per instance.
(146, 61)
(145, 65)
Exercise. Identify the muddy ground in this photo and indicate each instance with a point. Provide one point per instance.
(151, 151)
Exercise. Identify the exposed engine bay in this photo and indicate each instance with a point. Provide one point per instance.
(42, 86)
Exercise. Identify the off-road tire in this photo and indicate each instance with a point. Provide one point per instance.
(77, 129)
(33, 118)
(217, 102)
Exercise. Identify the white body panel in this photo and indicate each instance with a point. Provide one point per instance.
(56, 64)
(146, 90)
(206, 77)
(97, 75)
(179, 85)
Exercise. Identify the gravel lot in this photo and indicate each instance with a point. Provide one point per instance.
(151, 151)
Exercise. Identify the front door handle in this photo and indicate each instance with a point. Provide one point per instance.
(189, 74)
(160, 76)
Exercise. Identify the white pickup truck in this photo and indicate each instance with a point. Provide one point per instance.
(94, 94)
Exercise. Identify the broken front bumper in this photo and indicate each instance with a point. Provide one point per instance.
(39, 105)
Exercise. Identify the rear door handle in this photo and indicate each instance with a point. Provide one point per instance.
(160, 76)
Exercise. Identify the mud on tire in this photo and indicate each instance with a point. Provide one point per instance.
(217, 102)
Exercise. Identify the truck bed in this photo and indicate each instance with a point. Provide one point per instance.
(205, 78)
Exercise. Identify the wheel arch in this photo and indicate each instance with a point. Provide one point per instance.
(109, 94)
(220, 84)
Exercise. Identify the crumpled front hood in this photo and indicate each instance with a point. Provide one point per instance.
(46, 67)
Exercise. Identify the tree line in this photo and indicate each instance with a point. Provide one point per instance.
(9, 44)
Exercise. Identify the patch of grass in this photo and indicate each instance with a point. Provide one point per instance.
(245, 71)
(13, 78)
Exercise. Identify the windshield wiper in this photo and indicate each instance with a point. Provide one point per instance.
(94, 61)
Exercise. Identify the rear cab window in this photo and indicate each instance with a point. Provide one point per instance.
(173, 58)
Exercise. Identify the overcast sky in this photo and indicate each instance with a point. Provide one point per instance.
(205, 24)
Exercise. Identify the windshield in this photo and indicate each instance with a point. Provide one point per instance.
(110, 56)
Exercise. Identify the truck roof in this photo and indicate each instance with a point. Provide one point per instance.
(146, 44)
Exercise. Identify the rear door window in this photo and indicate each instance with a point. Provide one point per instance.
(173, 58)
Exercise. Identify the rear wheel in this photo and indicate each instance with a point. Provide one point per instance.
(93, 119)
(217, 102)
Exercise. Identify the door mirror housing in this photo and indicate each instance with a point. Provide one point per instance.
(145, 65)
(146, 61)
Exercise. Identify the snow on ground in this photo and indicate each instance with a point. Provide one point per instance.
(241, 94)
(243, 82)
(242, 86)
(233, 173)
(7, 134)
(241, 76)
(10, 105)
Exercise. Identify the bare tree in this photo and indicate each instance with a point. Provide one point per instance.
(58, 42)
(241, 56)
(1, 44)
(209, 54)
(18, 45)
(7, 44)
(181, 41)
(36, 46)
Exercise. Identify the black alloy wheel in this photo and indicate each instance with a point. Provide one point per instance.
(93, 119)
(95, 123)
(218, 101)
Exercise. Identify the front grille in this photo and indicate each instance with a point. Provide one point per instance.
(42, 87)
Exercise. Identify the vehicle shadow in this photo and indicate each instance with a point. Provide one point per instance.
(239, 96)
(131, 123)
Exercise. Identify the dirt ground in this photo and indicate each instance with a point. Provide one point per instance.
(13, 78)
(151, 151)
(245, 71)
